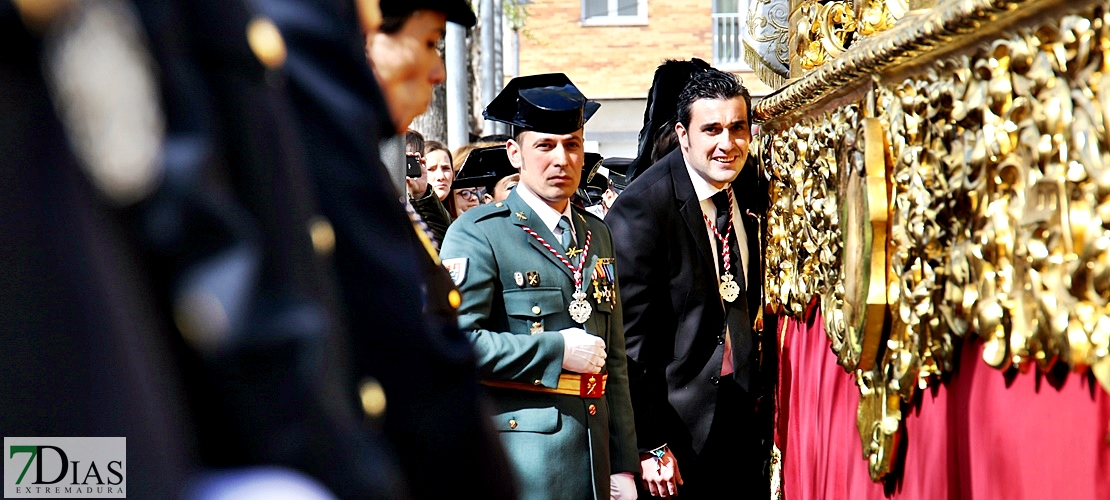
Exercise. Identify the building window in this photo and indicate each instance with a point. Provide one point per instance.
(730, 19)
(614, 12)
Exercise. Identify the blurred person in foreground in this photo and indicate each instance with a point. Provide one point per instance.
(551, 354)
(179, 226)
(400, 303)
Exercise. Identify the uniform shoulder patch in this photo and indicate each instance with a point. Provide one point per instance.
(457, 268)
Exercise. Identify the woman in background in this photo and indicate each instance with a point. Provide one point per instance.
(441, 173)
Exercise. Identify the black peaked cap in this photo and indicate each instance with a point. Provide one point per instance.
(548, 103)
(483, 168)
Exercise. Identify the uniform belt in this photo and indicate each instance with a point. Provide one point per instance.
(586, 385)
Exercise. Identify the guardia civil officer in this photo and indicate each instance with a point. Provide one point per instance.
(540, 305)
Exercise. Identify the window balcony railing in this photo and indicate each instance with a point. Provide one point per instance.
(728, 45)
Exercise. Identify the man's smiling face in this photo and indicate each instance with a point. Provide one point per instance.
(717, 140)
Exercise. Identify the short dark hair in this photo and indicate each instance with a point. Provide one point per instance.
(710, 84)
(414, 142)
(392, 24)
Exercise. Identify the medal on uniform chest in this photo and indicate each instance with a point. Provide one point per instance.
(728, 287)
(603, 280)
(579, 309)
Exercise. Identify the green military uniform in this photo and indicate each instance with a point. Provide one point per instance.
(515, 298)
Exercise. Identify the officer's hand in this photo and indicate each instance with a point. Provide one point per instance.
(661, 476)
(622, 486)
(582, 352)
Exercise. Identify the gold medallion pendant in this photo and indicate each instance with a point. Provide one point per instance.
(729, 288)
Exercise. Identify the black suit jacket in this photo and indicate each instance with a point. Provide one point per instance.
(673, 317)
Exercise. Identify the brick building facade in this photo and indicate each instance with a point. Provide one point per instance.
(612, 58)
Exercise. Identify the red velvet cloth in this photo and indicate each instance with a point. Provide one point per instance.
(978, 436)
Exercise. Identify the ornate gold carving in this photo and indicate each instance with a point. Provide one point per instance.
(874, 16)
(824, 30)
(999, 217)
(943, 25)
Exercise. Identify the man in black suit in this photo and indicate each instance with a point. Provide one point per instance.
(688, 263)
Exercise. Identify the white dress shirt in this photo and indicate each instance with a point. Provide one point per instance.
(705, 192)
(548, 215)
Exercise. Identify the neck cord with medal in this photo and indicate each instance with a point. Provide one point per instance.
(579, 309)
(729, 289)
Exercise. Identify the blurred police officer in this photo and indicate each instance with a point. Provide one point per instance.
(399, 301)
(238, 252)
(85, 351)
(207, 238)
(540, 305)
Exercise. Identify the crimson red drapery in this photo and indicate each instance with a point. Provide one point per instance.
(976, 436)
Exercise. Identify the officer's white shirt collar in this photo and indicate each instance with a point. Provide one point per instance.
(546, 214)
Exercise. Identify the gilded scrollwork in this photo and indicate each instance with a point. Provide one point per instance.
(874, 16)
(803, 236)
(824, 29)
(997, 194)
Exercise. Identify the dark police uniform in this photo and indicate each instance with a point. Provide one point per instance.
(237, 253)
(398, 301)
(190, 316)
(85, 352)
(565, 433)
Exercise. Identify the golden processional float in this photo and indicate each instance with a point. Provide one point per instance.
(940, 220)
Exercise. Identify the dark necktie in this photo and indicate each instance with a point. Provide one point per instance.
(736, 312)
(566, 237)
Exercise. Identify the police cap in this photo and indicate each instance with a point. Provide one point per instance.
(547, 103)
(483, 168)
(617, 172)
